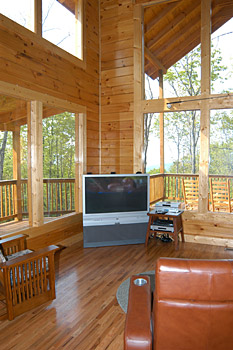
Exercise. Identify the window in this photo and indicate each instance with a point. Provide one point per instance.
(61, 27)
(222, 59)
(21, 12)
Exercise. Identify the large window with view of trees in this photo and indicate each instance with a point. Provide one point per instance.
(177, 140)
(61, 25)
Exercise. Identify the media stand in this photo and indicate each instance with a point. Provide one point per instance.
(177, 226)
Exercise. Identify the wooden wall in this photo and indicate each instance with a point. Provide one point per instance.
(117, 86)
(32, 62)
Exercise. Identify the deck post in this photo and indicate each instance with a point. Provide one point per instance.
(205, 108)
(80, 157)
(17, 173)
(35, 164)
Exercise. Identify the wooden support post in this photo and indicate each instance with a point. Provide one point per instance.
(161, 124)
(35, 164)
(79, 28)
(205, 109)
(80, 157)
(138, 89)
(17, 173)
(38, 17)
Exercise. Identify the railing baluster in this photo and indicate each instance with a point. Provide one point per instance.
(65, 196)
(56, 197)
(60, 196)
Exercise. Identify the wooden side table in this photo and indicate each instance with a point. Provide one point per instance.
(177, 225)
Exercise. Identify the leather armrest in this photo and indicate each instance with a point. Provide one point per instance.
(137, 334)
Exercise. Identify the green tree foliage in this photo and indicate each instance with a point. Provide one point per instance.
(182, 129)
(221, 143)
(58, 148)
(6, 155)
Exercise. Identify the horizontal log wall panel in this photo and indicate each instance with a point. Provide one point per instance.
(117, 143)
(113, 47)
(92, 152)
(117, 81)
(117, 161)
(119, 9)
(114, 152)
(111, 56)
(117, 116)
(117, 125)
(115, 135)
(121, 107)
(116, 72)
(116, 99)
(118, 63)
(32, 62)
(216, 225)
(117, 90)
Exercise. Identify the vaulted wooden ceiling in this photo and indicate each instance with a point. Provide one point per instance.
(172, 30)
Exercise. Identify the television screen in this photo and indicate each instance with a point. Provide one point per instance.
(115, 193)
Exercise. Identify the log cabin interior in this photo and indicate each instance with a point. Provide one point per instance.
(103, 85)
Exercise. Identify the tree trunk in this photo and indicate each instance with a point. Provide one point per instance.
(2, 153)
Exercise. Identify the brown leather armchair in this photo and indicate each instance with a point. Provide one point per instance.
(192, 307)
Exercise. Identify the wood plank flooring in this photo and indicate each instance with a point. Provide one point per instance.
(86, 315)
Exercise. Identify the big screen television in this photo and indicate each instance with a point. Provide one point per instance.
(115, 209)
(115, 195)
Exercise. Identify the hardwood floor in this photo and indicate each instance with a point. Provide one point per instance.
(85, 314)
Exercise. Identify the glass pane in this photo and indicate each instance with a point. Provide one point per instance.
(58, 163)
(58, 25)
(181, 142)
(21, 12)
(221, 142)
(151, 143)
(222, 58)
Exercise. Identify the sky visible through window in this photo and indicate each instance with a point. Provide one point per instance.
(58, 23)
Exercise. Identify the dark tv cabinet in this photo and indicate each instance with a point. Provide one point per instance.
(116, 234)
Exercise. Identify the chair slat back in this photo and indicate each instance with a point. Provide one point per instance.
(190, 192)
(220, 195)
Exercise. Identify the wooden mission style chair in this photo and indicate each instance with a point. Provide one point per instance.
(192, 307)
(27, 278)
(190, 193)
(220, 195)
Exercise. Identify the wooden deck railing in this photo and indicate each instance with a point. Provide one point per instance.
(169, 186)
(59, 193)
(58, 197)
(7, 203)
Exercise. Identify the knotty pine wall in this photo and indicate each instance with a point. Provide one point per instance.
(31, 62)
(117, 86)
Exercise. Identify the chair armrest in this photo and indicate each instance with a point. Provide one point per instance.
(50, 250)
(138, 333)
(14, 243)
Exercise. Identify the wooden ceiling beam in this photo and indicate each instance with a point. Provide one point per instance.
(222, 3)
(189, 19)
(178, 38)
(152, 2)
(153, 60)
(160, 17)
